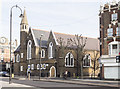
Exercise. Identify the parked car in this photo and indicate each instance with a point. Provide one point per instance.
(4, 74)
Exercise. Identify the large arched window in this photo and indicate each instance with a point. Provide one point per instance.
(69, 60)
(29, 49)
(50, 50)
(17, 58)
(42, 53)
(87, 61)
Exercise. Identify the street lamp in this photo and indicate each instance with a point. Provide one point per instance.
(40, 57)
(11, 34)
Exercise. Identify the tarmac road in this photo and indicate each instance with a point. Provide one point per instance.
(53, 85)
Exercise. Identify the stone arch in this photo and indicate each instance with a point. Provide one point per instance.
(52, 71)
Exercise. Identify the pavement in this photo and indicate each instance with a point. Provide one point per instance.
(6, 84)
(94, 82)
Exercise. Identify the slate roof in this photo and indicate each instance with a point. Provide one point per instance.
(17, 49)
(91, 44)
(37, 33)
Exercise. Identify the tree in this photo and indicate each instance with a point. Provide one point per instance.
(95, 61)
(79, 42)
(61, 48)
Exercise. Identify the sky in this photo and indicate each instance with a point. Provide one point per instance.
(64, 16)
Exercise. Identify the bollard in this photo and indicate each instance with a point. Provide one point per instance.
(28, 76)
(12, 75)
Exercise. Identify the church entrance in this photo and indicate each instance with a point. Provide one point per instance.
(52, 71)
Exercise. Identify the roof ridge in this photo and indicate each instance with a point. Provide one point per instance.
(63, 33)
(40, 30)
(74, 35)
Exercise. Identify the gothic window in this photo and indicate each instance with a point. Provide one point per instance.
(114, 17)
(118, 31)
(21, 68)
(69, 60)
(29, 49)
(42, 53)
(50, 50)
(17, 58)
(87, 60)
(32, 66)
(25, 26)
(21, 55)
(110, 32)
(38, 66)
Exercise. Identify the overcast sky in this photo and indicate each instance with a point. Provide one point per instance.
(64, 16)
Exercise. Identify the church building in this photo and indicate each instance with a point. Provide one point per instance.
(41, 49)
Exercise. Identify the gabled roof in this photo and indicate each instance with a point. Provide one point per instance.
(91, 44)
(36, 36)
(17, 49)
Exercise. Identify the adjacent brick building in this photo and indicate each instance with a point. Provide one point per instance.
(110, 39)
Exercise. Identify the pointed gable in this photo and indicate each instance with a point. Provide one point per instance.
(91, 43)
(54, 37)
(36, 36)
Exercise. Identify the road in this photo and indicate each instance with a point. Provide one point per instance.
(53, 85)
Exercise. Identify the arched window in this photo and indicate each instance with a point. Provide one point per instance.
(17, 58)
(29, 49)
(25, 26)
(42, 53)
(50, 50)
(38, 66)
(69, 60)
(22, 26)
(87, 61)
(32, 66)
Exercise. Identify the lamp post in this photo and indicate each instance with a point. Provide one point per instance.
(40, 57)
(11, 36)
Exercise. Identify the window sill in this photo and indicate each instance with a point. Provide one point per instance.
(69, 66)
(86, 66)
(50, 57)
(42, 57)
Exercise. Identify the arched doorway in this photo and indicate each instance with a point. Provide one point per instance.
(52, 71)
